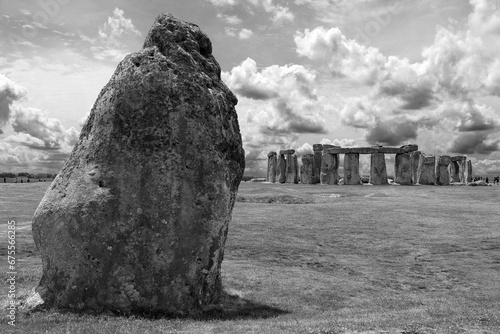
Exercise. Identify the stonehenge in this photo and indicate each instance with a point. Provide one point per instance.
(317, 149)
(329, 166)
(442, 174)
(378, 170)
(426, 173)
(403, 172)
(306, 170)
(271, 167)
(411, 166)
(351, 168)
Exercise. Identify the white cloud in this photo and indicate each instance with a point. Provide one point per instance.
(116, 27)
(230, 31)
(407, 98)
(114, 38)
(9, 92)
(343, 57)
(48, 130)
(245, 34)
(223, 2)
(339, 142)
(280, 104)
(279, 14)
(230, 19)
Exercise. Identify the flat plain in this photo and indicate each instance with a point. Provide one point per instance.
(319, 260)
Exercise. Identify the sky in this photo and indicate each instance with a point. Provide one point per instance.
(342, 72)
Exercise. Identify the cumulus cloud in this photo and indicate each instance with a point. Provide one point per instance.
(406, 97)
(9, 92)
(283, 104)
(41, 128)
(343, 57)
(472, 143)
(245, 33)
(279, 14)
(113, 38)
(339, 142)
(230, 19)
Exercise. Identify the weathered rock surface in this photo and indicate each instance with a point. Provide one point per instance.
(329, 169)
(454, 171)
(136, 221)
(403, 169)
(378, 171)
(318, 152)
(426, 170)
(271, 167)
(306, 170)
(281, 169)
(414, 159)
(468, 172)
(442, 175)
(351, 169)
(291, 168)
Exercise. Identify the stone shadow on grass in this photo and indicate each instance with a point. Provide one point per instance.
(230, 307)
(233, 307)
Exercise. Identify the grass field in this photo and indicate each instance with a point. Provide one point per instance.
(340, 259)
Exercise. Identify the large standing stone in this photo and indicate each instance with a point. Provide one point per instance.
(291, 166)
(318, 152)
(426, 170)
(306, 170)
(442, 175)
(454, 171)
(271, 167)
(468, 172)
(297, 170)
(403, 169)
(330, 169)
(378, 172)
(329, 166)
(137, 219)
(281, 168)
(351, 169)
(414, 159)
(461, 161)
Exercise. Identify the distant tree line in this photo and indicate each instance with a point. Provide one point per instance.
(28, 175)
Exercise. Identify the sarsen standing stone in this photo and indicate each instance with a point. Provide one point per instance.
(137, 219)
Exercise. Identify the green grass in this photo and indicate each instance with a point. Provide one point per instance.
(337, 259)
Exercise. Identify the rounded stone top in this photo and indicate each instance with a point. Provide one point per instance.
(184, 41)
(317, 147)
(270, 154)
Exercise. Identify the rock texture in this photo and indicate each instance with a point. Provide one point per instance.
(329, 169)
(271, 167)
(468, 172)
(442, 175)
(351, 169)
(454, 171)
(403, 169)
(281, 168)
(291, 166)
(414, 159)
(306, 170)
(426, 170)
(378, 172)
(318, 152)
(137, 219)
